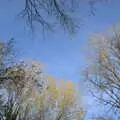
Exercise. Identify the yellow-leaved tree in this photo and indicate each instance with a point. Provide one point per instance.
(35, 96)
(59, 101)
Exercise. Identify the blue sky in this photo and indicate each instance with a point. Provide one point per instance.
(64, 58)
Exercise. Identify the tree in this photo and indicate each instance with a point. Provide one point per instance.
(7, 58)
(30, 94)
(102, 118)
(20, 81)
(35, 96)
(7, 54)
(49, 13)
(38, 11)
(10, 110)
(23, 77)
(1, 106)
(104, 72)
(59, 102)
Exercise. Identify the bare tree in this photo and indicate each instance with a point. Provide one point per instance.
(7, 57)
(102, 118)
(48, 13)
(104, 73)
(41, 11)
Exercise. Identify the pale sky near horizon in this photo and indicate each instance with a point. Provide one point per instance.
(64, 58)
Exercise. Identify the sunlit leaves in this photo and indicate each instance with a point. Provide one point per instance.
(58, 100)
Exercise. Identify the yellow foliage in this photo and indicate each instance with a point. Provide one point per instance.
(62, 93)
(60, 96)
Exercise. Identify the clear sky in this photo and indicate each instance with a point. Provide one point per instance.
(64, 58)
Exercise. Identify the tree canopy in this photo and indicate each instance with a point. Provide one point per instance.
(104, 72)
(32, 95)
